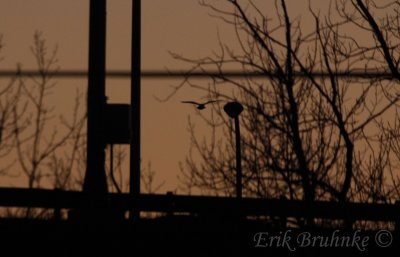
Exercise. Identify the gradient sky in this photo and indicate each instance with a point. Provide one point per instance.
(180, 26)
(175, 25)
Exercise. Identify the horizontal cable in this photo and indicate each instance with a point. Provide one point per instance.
(154, 74)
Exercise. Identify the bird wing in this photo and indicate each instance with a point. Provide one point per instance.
(211, 101)
(190, 102)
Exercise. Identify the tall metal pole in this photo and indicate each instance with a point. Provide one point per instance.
(95, 182)
(233, 109)
(238, 159)
(135, 104)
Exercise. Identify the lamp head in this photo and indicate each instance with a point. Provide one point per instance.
(233, 109)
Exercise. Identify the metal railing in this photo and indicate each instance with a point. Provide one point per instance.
(58, 199)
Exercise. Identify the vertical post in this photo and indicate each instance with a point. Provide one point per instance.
(95, 183)
(134, 183)
(233, 109)
(238, 160)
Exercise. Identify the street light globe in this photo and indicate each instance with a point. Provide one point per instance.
(233, 109)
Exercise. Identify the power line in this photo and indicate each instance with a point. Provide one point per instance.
(157, 74)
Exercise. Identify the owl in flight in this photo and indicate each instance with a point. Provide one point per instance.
(199, 106)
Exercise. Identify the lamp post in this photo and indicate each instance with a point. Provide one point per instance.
(233, 109)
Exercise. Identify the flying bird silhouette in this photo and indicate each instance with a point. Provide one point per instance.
(200, 106)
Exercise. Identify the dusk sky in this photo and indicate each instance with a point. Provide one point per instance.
(179, 26)
(281, 120)
(175, 25)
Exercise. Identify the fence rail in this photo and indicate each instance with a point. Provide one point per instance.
(43, 198)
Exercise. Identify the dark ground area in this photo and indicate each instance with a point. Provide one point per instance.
(172, 236)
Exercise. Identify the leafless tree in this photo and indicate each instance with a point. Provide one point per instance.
(305, 135)
(9, 96)
(48, 147)
(66, 170)
(37, 139)
(46, 152)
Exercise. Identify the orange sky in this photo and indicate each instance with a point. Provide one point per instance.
(174, 25)
(180, 26)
